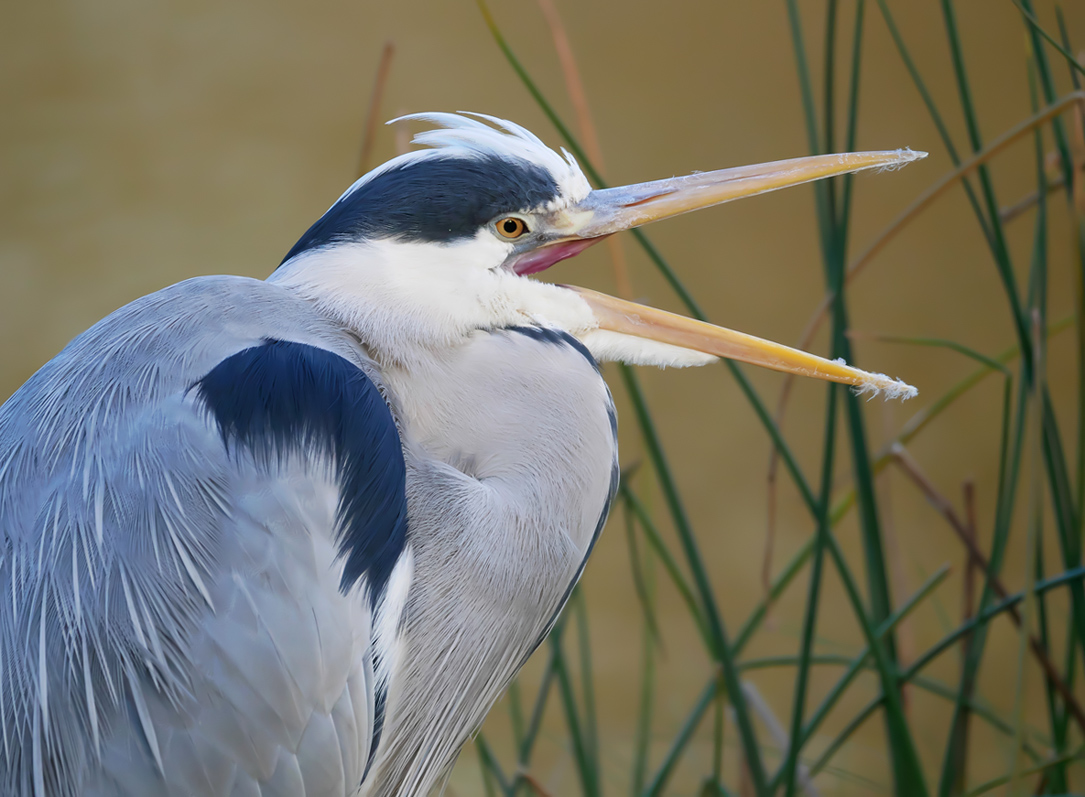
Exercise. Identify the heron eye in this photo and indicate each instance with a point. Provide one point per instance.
(511, 227)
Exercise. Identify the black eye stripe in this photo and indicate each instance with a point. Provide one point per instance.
(433, 199)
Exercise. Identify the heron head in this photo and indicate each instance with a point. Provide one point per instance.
(440, 243)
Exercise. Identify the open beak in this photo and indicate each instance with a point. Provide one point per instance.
(641, 321)
(610, 210)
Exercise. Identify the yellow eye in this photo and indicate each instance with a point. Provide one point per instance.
(511, 227)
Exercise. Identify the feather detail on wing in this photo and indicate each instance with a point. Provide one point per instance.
(197, 528)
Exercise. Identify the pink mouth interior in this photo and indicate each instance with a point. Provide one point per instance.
(545, 256)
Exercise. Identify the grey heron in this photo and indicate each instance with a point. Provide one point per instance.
(295, 536)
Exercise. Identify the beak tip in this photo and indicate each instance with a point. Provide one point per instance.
(889, 388)
(900, 158)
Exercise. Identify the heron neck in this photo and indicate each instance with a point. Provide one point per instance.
(522, 408)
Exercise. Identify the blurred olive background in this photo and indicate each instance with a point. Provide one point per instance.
(145, 143)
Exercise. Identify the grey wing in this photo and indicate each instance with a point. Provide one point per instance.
(201, 526)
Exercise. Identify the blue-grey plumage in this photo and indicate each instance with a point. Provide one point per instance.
(158, 580)
(294, 537)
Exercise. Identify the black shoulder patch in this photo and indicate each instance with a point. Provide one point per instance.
(283, 397)
(436, 199)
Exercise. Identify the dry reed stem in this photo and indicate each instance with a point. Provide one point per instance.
(745, 782)
(968, 608)
(1077, 154)
(967, 611)
(573, 84)
(537, 787)
(945, 508)
(1055, 182)
(369, 135)
(574, 87)
(402, 135)
(770, 542)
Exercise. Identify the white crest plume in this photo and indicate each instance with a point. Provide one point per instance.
(463, 135)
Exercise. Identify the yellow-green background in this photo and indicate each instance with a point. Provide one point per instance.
(144, 143)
